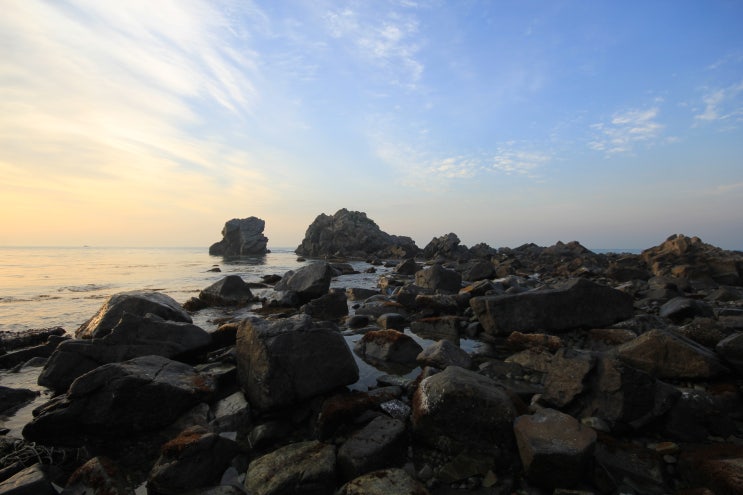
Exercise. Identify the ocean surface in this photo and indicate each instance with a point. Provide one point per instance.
(44, 287)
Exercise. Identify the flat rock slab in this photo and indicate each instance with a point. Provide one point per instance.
(384, 482)
(298, 468)
(577, 303)
(381, 443)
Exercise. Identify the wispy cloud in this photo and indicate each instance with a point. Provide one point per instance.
(511, 159)
(722, 104)
(626, 130)
(387, 39)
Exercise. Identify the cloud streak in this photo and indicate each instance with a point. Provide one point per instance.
(722, 104)
(626, 130)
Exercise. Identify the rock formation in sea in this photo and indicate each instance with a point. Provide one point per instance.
(527, 370)
(353, 234)
(241, 237)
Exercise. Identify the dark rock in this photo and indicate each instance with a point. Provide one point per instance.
(438, 327)
(229, 291)
(309, 282)
(443, 354)
(457, 410)
(439, 279)
(12, 399)
(31, 481)
(566, 377)
(133, 336)
(377, 307)
(343, 269)
(98, 475)
(731, 350)
(388, 345)
(352, 234)
(718, 467)
(380, 444)
(555, 448)
(407, 267)
(392, 481)
(358, 321)
(392, 321)
(134, 302)
(447, 246)
(679, 309)
(14, 358)
(341, 409)
(298, 468)
(195, 458)
(695, 416)
(120, 399)
(10, 341)
(442, 304)
(286, 361)
(480, 270)
(359, 294)
(619, 462)
(578, 303)
(519, 341)
(665, 354)
(330, 306)
(230, 414)
(241, 237)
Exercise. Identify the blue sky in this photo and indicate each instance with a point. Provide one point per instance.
(152, 123)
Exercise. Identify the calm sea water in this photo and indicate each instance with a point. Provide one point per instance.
(44, 287)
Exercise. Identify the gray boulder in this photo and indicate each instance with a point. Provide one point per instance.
(679, 309)
(286, 361)
(31, 481)
(133, 336)
(352, 234)
(447, 246)
(555, 448)
(381, 443)
(308, 282)
(388, 346)
(439, 327)
(304, 468)
(135, 302)
(665, 354)
(195, 458)
(393, 481)
(240, 237)
(443, 354)
(577, 303)
(731, 350)
(229, 291)
(439, 279)
(331, 306)
(120, 399)
(458, 410)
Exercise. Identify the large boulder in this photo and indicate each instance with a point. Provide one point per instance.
(388, 346)
(133, 336)
(308, 282)
(298, 468)
(439, 279)
(231, 290)
(352, 234)
(447, 246)
(283, 362)
(241, 237)
(555, 448)
(458, 409)
(576, 303)
(118, 400)
(135, 302)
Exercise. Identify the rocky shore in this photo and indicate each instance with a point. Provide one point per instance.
(532, 370)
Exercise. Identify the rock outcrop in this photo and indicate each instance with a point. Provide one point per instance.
(241, 237)
(352, 234)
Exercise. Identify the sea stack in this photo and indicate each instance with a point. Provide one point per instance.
(241, 236)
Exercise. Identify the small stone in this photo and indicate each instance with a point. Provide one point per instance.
(490, 479)
(667, 448)
(669, 459)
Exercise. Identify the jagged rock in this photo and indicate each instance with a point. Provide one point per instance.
(231, 413)
(447, 246)
(31, 481)
(577, 303)
(626, 464)
(309, 282)
(520, 341)
(12, 399)
(442, 304)
(133, 336)
(229, 291)
(480, 270)
(345, 408)
(380, 444)
(14, 358)
(286, 361)
(98, 475)
(666, 354)
(134, 302)
(330, 306)
(679, 309)
(10, 341)
(352, 234)
(695, 416)
(298, 468)
(439, 279)
(195, 458)
(438, 327)
(443, 354)
(393, 481)
(555, 448)
(120, 399)
(458, 409)
(691, 258)
(241, 237)
(387, 346)
(407, 267)
(566, 376)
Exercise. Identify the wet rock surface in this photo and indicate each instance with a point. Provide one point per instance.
(526, 370)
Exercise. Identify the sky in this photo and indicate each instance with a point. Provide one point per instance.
(142, 123)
